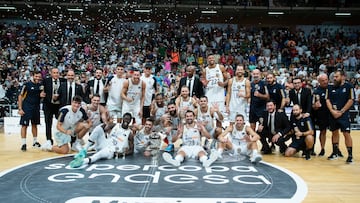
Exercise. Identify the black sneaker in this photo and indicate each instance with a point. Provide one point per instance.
(322, 152)
(307, 156)
(272, 147)
(313, 153)
(333, 156)
(23, 147)
(303, 154)
(37, 145)
(340, 154)
(349, 160)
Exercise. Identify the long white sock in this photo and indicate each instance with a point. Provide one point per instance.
(179, 158)
(203, 158)
(86, 161)
(220, 150)
(34, 140)
(169, 138)
(23, 140)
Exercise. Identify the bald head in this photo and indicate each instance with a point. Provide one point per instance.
(190, 70)
(256, 75)
(323, 80)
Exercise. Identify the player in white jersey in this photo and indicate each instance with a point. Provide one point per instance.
(110, 139)
(206, 114)
(158, 107)
(191, 133)
(238, 94)
(146, 140)
(150, 90)
(184, 102)
(72, 121)
(240, 138)
(174, 121)
(133, 95)
(216, 80)
(114, 88)
(97, 113)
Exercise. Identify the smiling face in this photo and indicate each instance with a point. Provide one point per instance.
(37, 78)
(270, 107)
(239, 122)
(239, 71)
(148, 126)
(126, 121)
(55, 73)
(189, 117)
(136, 77)
(296, 110)
(95, 101)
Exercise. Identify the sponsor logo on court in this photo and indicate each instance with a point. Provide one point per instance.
(139, 179)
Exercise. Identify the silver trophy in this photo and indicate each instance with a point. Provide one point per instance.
(154, 146)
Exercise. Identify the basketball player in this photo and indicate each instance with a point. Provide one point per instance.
(191, 133)
(108, 142)
(133, 95)
(238, 94)
(240, 138)
(216, 80)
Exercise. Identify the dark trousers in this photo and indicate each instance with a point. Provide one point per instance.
(50, 110)
(267, 137)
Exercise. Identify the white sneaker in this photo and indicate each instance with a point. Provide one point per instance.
(212, 158)
(76, 146)
(47, 147)
(91, 148)
(256, 158)
(82, 141)
(168, 158)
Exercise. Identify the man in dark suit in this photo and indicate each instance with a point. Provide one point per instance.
(51, 103)
(195, 86)
(302, 96)
(274, 127)
(97, 85)
(69, 89)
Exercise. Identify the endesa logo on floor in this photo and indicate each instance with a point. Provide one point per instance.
(138, 179)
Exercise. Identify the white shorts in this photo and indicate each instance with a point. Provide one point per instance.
(192, 151)
(134, 110)
(115, 114)
(62, 138)
(243, 149)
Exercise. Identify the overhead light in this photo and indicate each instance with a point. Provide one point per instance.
(7, 8)
(343, 14)
(275, 13)
(75, 9)
(209, 12)
(143, 10)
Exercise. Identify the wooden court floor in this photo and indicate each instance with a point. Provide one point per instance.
(328, 181)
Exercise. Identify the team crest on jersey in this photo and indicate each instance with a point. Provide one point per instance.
(344, 90)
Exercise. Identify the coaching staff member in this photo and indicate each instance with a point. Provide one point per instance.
(51, 103)
(340, 97)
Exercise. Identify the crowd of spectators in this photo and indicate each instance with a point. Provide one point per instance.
(169, 48)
